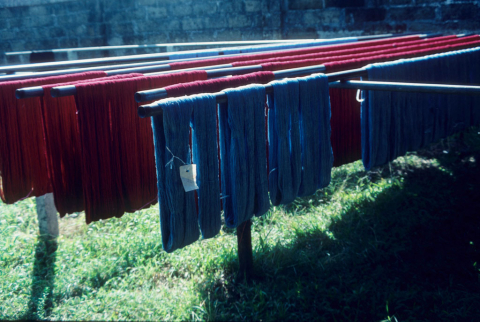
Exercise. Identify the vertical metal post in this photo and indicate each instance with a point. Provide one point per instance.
(245, 253)
(47, 216)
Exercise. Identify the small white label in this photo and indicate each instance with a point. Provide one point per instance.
(188, 174)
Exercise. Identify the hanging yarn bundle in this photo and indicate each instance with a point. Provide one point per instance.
(23, 163)
(118, 164)
(243, 154)
(178, 214)
(204, 148)
(345, 123)
(394, 123)
(317, 157)
(300, 151)
(101, 141)
(63, 149)
(284, 142)
(177, 207)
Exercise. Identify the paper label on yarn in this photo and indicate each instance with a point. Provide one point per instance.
(188, 174)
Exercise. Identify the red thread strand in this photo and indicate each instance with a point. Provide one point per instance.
(63, 147)
(118, 163)
(23, 164)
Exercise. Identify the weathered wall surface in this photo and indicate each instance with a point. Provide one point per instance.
(47, 24)
(308, 18)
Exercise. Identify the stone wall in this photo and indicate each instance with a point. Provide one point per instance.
(309, 18)
(47, 24)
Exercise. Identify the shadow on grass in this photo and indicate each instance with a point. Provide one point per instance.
(43, 279)
(410, 254)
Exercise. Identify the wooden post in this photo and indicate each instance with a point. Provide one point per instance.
(245, 253)
(47, 216)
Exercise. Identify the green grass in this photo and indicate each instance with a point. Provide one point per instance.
(399, 243)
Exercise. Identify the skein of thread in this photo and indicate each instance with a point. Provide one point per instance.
(63, 149)
(23, 164)
(122, 177)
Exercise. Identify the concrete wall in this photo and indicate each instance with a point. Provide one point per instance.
(47, 24)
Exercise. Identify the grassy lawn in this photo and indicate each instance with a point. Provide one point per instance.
(399, 243)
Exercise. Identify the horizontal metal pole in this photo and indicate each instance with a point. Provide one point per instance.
(65, 91)
(68, 90)
(407, 87)
(234, 71)
(161, 70)
(302, 71)
(141, 69)
(153, 109)
(76, 70)
(156, 94)
(191, 69)
(186, 44)
(84, 63)
(347, 74)
(28, 92)
(118, 69)
(150, 95)
(180, 44)
(224, 70)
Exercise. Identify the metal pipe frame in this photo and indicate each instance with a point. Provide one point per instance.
(155, 109)
(155, 94)
(145, 57)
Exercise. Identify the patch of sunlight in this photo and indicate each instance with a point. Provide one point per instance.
(330, 235)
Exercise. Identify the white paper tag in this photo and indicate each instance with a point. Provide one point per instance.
(188, 174)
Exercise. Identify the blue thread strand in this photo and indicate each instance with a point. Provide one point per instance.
(317, 155)
(284, 142)
(204, 146)
(257, 103)
(177, 207)
(243, 181)
(394, 123)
